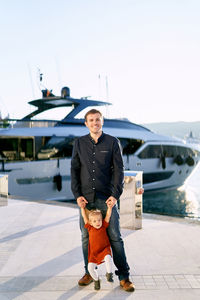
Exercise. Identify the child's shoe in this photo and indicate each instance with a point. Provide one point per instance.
(97, 285)
(109, 277)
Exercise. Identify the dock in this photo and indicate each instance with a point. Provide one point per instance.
(41, 256)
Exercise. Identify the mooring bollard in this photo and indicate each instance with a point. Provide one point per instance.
(131, 200)
(3, 190)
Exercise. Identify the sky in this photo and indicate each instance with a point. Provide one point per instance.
(143, 56)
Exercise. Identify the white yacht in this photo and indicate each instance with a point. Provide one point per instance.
(36, 154)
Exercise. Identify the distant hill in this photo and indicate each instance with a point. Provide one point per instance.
(178, 129)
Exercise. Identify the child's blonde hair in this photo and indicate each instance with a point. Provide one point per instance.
(94, 212)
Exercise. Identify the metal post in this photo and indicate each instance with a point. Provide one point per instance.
(3, 190)
(131, 201)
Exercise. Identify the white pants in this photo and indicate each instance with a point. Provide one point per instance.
(92, 267)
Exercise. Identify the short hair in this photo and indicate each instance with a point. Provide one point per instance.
(92, 112)
(93, 213)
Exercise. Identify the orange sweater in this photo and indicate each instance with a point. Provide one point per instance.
(99, 244)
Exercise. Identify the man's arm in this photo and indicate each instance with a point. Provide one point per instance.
(75, 177)
(118, 170)
(81, 201)
(111, 201)
(75, 172)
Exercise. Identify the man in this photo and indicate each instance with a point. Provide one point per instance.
(96, 179)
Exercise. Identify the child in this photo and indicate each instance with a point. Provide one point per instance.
(99, 250)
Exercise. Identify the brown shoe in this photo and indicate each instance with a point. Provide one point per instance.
(85, 280)
(127, 285)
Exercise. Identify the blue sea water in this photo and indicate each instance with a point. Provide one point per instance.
(184, 202)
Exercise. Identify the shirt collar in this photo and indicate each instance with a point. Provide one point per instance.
(99, 139)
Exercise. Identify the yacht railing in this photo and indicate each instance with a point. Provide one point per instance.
(26, 124)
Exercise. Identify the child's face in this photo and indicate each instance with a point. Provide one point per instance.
(96, 221)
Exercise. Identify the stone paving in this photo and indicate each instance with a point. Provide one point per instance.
(40, 256)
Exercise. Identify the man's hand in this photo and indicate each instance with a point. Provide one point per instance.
(111, 201)
(81, 201)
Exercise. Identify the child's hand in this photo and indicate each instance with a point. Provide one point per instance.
(111, 201)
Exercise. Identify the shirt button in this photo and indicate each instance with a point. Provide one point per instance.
(93, 170)
(93, 162)
(93, 179)
(94, 153)
(93, 188)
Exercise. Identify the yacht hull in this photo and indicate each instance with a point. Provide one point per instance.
(35, 180)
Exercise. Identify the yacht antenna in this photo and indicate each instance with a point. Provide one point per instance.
(45, 92)
(31, 80)
(107, 93)
(58, 72)
(107, 97)
(99, 77)
(40, 75)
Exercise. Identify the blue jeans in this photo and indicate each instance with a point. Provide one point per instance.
(113, 230)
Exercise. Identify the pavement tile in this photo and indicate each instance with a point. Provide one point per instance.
(169, 277)
(179, 277)
(173, 286)
(137, 278)
(195, 284)
(41, 259)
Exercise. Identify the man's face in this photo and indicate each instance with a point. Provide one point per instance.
(94, 123)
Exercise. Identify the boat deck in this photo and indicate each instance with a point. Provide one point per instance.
(41, 258)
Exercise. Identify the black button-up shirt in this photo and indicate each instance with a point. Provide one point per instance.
(97, 168)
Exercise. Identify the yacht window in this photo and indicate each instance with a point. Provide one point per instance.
(151, 151)
(129, 146)
(155, 151)
(16, 148)
(40, 142)
(57, 147)
(183, 151)
(172, 151)
(26, 148)
(169, 151)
